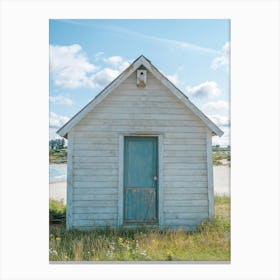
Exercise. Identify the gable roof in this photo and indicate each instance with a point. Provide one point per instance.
(141, 60)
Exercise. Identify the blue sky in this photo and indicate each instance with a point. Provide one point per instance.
(85, 55)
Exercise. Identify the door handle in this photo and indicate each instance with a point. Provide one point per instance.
(155, 178)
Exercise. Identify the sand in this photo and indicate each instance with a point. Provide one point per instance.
(221, 174)
(221, 178)
(57, 191)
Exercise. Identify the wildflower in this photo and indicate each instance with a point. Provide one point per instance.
(143, 253)
(58, 238)
(52, 252)
(109, 253)
(137, 245)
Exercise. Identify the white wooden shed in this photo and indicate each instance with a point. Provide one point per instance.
(139, 153)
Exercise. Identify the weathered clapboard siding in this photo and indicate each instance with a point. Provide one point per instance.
(95, 155)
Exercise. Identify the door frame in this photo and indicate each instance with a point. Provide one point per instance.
(121, 174)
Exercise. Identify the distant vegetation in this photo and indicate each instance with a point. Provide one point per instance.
(219, 154)
(57, 151)
(210, 242)
(57, 211)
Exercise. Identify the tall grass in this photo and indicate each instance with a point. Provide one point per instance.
(210, 242)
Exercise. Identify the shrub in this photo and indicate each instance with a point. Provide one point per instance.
(57, 210)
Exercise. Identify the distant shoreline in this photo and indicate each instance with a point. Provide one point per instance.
(57, 164)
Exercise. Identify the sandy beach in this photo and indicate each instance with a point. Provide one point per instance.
(221, 174)
(57, 191)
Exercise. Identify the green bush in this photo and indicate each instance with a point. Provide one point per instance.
(56, 209)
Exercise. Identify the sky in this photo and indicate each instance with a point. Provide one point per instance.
(86, 55)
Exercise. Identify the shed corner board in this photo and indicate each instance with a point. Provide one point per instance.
(210, 175)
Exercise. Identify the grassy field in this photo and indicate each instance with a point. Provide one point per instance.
(217, 157)
(58, 156)
(211, 242)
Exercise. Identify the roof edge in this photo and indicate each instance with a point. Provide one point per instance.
(63, 131)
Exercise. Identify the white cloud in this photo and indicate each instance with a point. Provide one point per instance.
(98, 56)
(117, 62)
(173, 78)
(61, 100)
(219, 120)
(56, 121)
(223, 59)
(217, 106)
(207, 89)
(223, 140)
(104, 77)
(70, 67)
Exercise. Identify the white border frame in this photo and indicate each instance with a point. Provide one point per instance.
(160, 174)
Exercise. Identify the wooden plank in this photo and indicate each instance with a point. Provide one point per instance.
(201, 153)
(136, 127)
(94, 191)
(95, 146)
(96, 123)
(186, 196)
(148, 93)
(95, 140)
(183, 222)
(184, 160)
(94, 171)
(185, 147)
(95, 216)
(121, 181)
(92, 209)
(160, 179)
(101, 197)
(185, 216)
(115, 105)
(163, 114)
(95, 165)
(184, 141)
(96, 153)
(96, 178)
(184, 190)
(70, 198)
(185, 135)
(130, 98)
(183, 166)
(186, 209)
(184, 202)
(95, 159)
(93, 184)
(183, 184)
(88, 224)
(210, 175)
(94, 203)
(193, 178)
(185, 172)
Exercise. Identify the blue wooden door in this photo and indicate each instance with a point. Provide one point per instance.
(140, 179)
